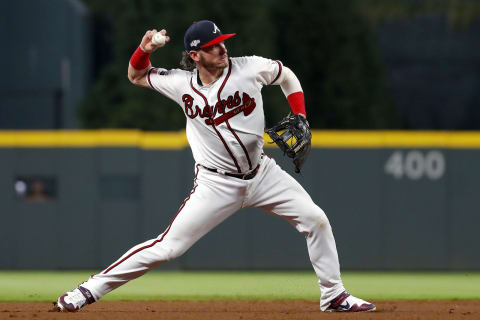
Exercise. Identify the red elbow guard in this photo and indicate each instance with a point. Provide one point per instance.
(140, 59)
(296, 101)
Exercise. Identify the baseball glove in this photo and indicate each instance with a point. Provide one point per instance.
(294, 138)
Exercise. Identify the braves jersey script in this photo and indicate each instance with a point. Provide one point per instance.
(225, 119)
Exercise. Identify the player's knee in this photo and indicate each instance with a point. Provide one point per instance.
(314, 220)
(320, 218)
(174, 249)
(176, 253)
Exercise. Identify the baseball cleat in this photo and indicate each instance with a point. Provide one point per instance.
(74, 300)
(348, 303)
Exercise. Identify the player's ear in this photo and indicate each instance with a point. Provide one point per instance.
(194, 55)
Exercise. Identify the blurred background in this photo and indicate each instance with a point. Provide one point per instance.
(377, 65)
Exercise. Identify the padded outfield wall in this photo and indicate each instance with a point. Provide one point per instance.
(396, 201)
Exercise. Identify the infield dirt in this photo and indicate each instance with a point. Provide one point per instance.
(242, 310)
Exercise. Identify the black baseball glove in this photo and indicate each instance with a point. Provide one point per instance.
(294, 138)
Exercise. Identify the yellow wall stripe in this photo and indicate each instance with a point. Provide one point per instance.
(395, 139)
(178, 140)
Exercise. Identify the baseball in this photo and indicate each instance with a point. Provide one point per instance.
(158, 39)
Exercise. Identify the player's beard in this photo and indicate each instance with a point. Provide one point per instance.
(213, 65)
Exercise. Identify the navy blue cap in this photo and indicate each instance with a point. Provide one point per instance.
(203, 34)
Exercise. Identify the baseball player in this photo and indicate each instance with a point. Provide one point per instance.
(222, 101)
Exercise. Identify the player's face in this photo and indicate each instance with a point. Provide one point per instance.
(214, 56)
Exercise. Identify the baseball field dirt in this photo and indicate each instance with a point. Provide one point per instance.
(243, 310)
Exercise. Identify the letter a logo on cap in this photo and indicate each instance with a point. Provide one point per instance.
(215, 29)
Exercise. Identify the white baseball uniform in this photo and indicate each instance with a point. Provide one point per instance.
(225, 125)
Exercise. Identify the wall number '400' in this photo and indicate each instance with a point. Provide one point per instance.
(416, 165)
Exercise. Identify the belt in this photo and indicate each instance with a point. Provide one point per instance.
(243, 176)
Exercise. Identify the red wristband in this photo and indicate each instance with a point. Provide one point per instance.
(140, 59)
(296, 101)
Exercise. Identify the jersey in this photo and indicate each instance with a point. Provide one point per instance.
(225, 119)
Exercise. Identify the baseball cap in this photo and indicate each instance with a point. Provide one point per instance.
(203, 34)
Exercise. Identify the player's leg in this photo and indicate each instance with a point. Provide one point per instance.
(276, 192)
(212, 200)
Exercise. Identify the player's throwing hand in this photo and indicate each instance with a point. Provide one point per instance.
(147, 45)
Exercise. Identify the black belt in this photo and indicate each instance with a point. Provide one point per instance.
(243, 176)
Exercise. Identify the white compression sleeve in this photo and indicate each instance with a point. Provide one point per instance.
(289, 82)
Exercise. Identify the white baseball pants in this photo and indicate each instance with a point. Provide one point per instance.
(214, 198)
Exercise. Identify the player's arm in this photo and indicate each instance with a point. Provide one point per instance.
(140, 60)
(293, 91)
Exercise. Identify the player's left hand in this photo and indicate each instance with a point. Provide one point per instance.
(293, 137)
(147, 45)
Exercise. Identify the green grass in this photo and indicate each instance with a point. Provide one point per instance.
(169, 285)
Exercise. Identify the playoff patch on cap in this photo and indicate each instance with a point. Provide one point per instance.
(203, 34)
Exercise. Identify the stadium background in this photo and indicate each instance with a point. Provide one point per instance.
(401, 193)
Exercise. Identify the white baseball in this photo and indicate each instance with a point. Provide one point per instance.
(158, 39)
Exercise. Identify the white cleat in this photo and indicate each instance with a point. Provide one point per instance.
(348, 303)
(74, 300)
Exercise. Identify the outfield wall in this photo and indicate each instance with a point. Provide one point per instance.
(396, 200)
